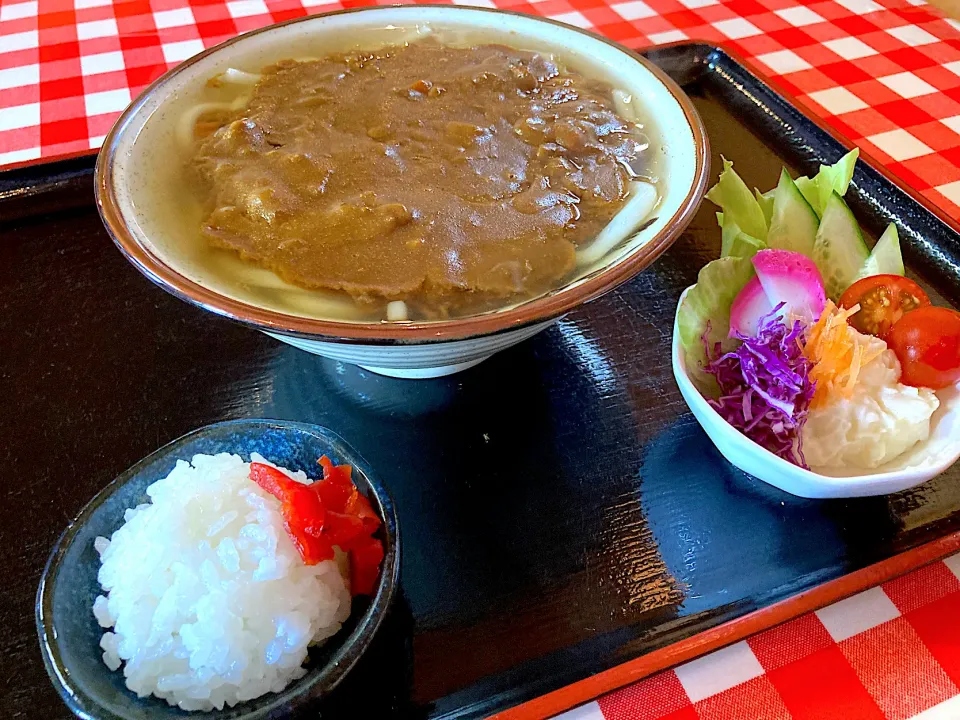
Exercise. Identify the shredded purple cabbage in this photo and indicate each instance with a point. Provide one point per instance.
(765, 387)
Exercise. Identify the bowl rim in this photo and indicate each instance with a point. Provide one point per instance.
(784, 474)
(538, 309)
(329, 675)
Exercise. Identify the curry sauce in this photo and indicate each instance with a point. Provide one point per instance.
(444, 177)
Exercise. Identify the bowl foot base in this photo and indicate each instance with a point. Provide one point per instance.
(424, 373)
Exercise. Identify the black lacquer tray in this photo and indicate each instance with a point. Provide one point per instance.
(563, 513)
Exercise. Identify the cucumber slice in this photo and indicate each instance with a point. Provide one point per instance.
(766, 203)
(885, 259)
(839, 249)
(738, 203)
(793, 225)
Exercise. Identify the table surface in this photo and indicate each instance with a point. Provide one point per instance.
(886, 74)
(950, 8)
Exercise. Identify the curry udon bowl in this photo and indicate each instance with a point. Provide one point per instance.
(153, 214)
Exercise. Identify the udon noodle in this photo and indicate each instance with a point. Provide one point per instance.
(416, 182)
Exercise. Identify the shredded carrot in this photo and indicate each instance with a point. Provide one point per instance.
(836, 355)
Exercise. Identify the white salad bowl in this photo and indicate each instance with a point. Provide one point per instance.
(919, 464)
(403, 349)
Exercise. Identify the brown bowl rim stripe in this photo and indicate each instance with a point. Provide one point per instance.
(536, 310)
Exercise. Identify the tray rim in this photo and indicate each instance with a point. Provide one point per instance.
(49, 160)
(865, 156)
(819, 596)
(699, 644)
(629, 672)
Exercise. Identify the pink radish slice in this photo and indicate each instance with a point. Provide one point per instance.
(793, 278)
(748, 307)
(783, 276)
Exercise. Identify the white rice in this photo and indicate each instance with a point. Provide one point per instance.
(208, 599)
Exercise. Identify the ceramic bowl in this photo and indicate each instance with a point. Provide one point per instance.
(413, 349)
(921, 463)
(70, 636)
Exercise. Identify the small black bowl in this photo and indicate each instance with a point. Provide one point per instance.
(70, 636)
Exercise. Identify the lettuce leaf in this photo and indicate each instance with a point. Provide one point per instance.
(765, 200)
(808, 188)
(705, 314)
(831, 179)
(739, 204)
(836, 178)
(735, 242)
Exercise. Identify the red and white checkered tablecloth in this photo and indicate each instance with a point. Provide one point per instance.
(889, 653)
(885, 73)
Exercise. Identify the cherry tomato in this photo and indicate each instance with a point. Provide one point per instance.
(883, 300)
(927, 343)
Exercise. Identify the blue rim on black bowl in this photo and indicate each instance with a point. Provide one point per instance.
(69, 633)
